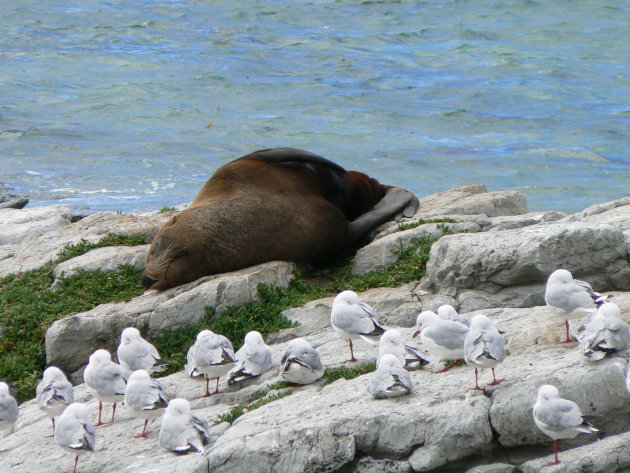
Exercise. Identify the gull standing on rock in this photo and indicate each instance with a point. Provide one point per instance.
(182, 431)
(54, 393)
(628, 376)
(448, 312)
(605, 333)
(135, 353)
(409, 356)
(145, 397)
(253, 359)
(301, 363)
(443, 339)
(213, 356)
(484, 347)
(354, 320)
(558, 418)
(107, 379)
(74, 433)
(390, 379)
(571, 298)
(8, 410)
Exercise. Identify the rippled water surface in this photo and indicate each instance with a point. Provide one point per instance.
(121, 105)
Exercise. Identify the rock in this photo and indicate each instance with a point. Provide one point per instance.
(70, 341)
(375, 465)
(493, 468)
(613, 213)
(17, 225)
(427, 458)
(10, 201)
(106, 259)
(511, 222)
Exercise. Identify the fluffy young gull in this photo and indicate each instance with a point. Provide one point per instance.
(390, 379)
(8, 410)
(570, 298)
(448, 312)
(605, 333)
(253, 359)
(213, 356)
(443, 339)
(145, 397)
(558, 418)
(182, 431)
(54, 393)
(74, 433)
(354, 320)
(409, 355)
(484, 347)
(135, 353)
(107, 379)
(300, 363)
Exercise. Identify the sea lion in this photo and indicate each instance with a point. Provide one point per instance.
(274, 204)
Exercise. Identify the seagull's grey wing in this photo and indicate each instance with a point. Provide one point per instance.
(191, 367)
(201, 425)
(448, 334)
(403, 377)
(559, 414)
(412, 352)
(568, 296)
(353, 319)
(473, 345)
(494, 345)
(8, 409)
(309, 359)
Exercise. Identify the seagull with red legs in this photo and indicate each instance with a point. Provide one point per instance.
(54, 393)
(354, 320)
(484, 347)
(213, 356)
(74, 433)
(443, 339)
(145, 397)
(107, 379)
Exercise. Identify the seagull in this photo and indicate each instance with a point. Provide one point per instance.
(571, 298)
(54, 393)
(107, 379)
(135, 353)
(182, 431)
(484, 347)
(448, 312)
(74, 433)
(443, 339)
(8, 410)
(300, 363)
(628, 376)
(558, 418)
(409, 356)
(605, 333)
(145, 397)
(253, 359)
(354, 320)
(212, 355)
(390, 379)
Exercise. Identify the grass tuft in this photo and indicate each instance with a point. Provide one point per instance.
(111, 239)
(333, 373)
(409, 225)
(238, 411)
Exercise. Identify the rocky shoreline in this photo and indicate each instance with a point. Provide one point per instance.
(494, 258)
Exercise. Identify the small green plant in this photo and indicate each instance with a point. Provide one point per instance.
(333, 373)
(164, 210)
(72, 250)
(238, 411)
(10, 255)
(280, 385)
(409, 225)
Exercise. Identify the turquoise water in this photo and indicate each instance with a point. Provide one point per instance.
(130, 106)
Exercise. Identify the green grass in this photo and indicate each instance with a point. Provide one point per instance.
(333, 373)
(28, 307)
(238, 411)
(111, 239)
(409, 225)
(167, 209)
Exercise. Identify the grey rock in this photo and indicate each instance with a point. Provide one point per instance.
(427, 458)
(13, 203)
(493, 468)
(515, 296)
(17, 225)
(519, 221)
(375, 465)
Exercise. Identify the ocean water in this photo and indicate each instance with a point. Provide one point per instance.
(130, 106)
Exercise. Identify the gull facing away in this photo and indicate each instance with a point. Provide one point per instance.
(54, 393)
(300, 363)
(390, 379)
(443, 339)
(409, 355)
(213, 356)
(182, 431)
(484, 347)
(605, 333)
(74, 433)
(106, 379)
(253, 359)
(448, 312)
(354, 320)
(135, 353)
(571, 298)
(145, 397)
(8, 410)
(558, 418)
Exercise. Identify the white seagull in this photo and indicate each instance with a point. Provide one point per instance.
(354, 320)
(448, 312)
(301, 363)
(8, 410)
(107, 379)
(571, 298)
(484, 347)
(409, 355)
(390, 379)
(253, 359)
(145, 397)
(135, 353)
(443, 339)
(54, 393)
(74, 433)
(213, 356)
(558, 418)
(182, 431)
(605, 333)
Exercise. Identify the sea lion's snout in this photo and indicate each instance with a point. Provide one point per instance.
(147, 282)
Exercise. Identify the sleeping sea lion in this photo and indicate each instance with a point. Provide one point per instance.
(274, 204)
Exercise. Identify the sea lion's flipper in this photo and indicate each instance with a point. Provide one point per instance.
(397, 201)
